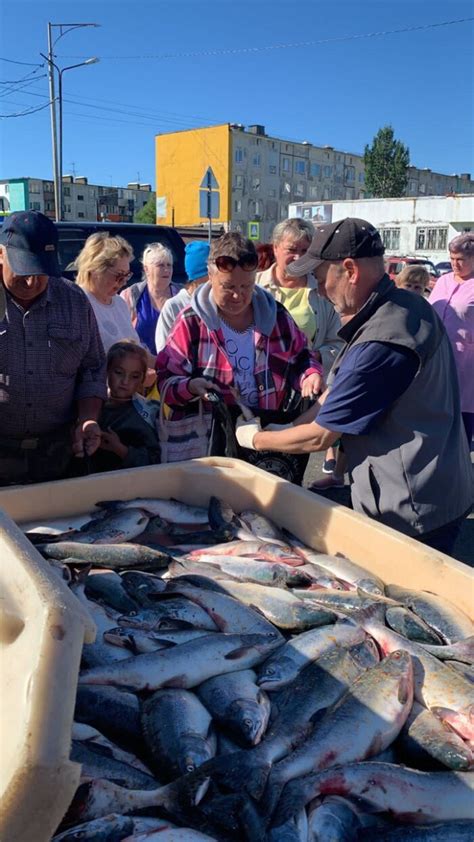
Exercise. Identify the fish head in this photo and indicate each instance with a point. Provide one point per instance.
(247, 719)
(275, 672)
(370, 586)
(194, 750)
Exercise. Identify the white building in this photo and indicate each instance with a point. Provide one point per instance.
(422, 227)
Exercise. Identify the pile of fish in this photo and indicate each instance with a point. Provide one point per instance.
(243, 686)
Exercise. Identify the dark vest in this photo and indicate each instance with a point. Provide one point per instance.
(413, 470)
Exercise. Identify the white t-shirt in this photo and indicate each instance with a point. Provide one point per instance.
(240, 351)
(113, 320)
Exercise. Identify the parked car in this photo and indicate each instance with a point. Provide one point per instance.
(72, 236)
(443, 267)
(394, 265)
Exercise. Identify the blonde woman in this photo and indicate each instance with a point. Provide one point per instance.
(103, 267)
(145, 300)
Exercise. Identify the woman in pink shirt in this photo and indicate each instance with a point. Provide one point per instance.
(453, 300)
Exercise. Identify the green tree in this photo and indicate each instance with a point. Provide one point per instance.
(386, 165)
(147, 214)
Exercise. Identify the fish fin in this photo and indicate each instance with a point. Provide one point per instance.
(363, 615)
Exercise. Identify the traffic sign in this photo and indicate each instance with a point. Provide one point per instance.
(253, 229)
(209, 181)
(208, 204)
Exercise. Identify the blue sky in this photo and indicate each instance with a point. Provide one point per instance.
(338, 93)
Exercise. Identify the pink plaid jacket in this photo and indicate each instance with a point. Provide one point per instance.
(195, 348)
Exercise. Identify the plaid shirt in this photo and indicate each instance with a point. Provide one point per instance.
(51, 356)
(282, 360)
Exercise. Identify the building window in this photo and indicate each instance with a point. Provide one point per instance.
(35, 206)
(81, 215)
(285, 164)
(238, 182)
(361, 177)
(256, 183)
(316, 170)
(238, 205)
(286, 188)
(299, 189)
(313, 192)
(34, 187)
(283, 211)
(300, 167)
(434, 239)
(68, 208)
(272, 193)
(272, 169)
(422, 188)
(80, 198)
(327, 172)
(66, 191)
(239, 155)
(391, 238)
(349, 174)
(256, 160)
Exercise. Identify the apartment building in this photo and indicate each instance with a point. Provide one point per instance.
(258, 176)
(82, 201)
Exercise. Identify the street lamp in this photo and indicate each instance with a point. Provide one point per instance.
(64, 28)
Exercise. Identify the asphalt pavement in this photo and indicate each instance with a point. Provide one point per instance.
(464, 547)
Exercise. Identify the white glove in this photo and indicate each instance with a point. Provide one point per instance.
(275, 428)
(246, 430)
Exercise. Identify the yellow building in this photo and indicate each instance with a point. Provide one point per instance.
(182, 160)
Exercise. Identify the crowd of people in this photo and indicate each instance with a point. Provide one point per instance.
(305, 344)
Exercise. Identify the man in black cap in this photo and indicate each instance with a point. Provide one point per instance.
(52, 363)
(392, 396)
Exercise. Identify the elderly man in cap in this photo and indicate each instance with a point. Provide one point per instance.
(392, 394)
(52, 363)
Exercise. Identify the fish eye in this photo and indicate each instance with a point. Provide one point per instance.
(248, 723)
(270, 671)
(190, 767)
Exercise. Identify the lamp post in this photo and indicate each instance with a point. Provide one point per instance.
(64, 28)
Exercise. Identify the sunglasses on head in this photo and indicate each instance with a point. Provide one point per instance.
(248, 262)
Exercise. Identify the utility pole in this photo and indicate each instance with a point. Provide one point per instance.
(54, 135)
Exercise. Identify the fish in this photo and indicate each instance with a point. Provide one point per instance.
(462, 831)
(172, 834)
(284, 666)
(139, 642)
(253, 549)
(294, 830)
(334, 819)
(342, 600)
(224, 520)
(463, 651)
(109, 828)
(342, 568)
(106, 586)
(99, 652)
(279, 606)
(113, 712)
(178, 732)
(229, 615)
(186, 665)
(113, 556)
(169, 510)
(115, 528)
(243, 569)
(168, 614)
(237, 704)
(424, 737)
(466, 670)
(407, 794)
(440, 614)
(437, 687)
(405, 622)
(90, 735)
(262, 527)
(142, 587)
(98, 762)
(58, 526)
(364, 722)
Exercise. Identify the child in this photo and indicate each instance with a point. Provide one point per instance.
(414, 278)
(127, 420)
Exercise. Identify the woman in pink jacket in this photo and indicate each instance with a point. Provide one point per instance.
(453, 300)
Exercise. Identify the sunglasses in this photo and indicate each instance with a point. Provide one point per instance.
(122, 277)
(248, 262)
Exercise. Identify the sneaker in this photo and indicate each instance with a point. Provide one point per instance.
(329, 466)
(327, 483)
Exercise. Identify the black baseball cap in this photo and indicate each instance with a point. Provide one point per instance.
(31, 241)
(348, 237)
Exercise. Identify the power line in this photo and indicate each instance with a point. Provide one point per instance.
(24, 113)
(26, 63)
(290, 46)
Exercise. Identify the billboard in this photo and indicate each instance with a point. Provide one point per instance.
(317, 214)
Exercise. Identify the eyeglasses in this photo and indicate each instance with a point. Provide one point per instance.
(121, 276)
(248, 262)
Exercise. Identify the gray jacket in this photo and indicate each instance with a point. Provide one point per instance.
(413, 470)
(327, 340)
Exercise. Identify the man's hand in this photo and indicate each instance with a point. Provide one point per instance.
(86, 438)
(111, 441)
(246, 430)
(312, 385)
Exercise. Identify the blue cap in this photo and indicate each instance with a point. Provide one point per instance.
(31, 242)
(196, 255)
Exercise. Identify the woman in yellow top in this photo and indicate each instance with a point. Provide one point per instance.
(314, 314)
